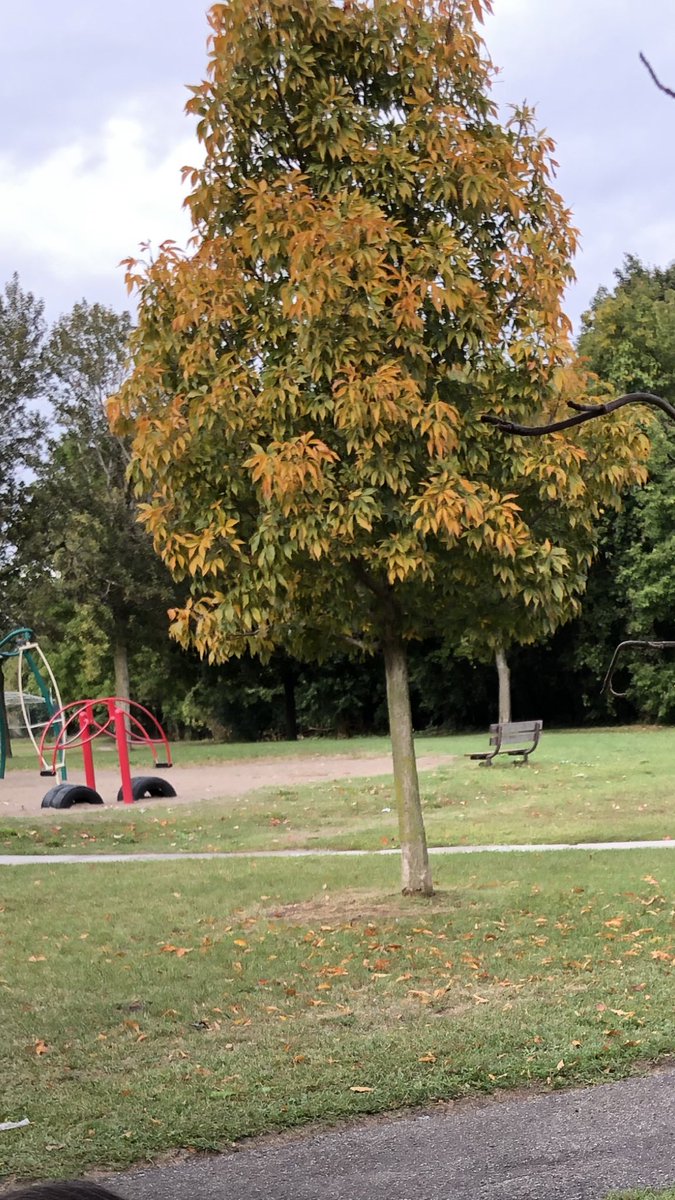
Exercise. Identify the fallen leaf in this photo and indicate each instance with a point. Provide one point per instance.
(427, 1058)
(41, 1047)
(38, 958)
(361, 1089)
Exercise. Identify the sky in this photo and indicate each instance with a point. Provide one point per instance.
(94, 133)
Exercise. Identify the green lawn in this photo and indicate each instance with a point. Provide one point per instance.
(151, 1006)
(194, 753)
(600, 785)
(643, 1194)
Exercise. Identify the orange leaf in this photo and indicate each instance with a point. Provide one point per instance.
(41, 1047)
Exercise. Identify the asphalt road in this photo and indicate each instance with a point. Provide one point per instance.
(567, 1145)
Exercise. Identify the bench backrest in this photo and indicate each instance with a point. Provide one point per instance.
(515, 731)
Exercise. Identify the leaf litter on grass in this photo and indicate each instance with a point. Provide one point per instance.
(317, 994)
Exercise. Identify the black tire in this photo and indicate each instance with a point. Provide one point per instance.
(146, 787)
(65, 795)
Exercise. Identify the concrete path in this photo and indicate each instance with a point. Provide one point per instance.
(32, 860)
(569, 1145)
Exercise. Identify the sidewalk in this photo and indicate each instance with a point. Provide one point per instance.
(567, 1145)
(33, 860)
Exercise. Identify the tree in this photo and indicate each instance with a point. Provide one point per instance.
(92, 579)
(628, 336)
(376, 261)
(22, 333)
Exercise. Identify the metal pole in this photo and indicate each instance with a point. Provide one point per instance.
(120, 718)
(85, 719)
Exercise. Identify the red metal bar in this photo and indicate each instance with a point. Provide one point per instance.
(119, 715)
(85, 717)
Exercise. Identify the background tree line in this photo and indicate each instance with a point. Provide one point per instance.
(76, 566)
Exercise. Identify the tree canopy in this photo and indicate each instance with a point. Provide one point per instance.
(22, 330)
(84, 571)
(377, 260)
(628, 336)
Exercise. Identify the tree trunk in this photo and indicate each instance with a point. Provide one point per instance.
(289, 679)
(415, 870)
(504, 685)
(5, 739)
(121, 661)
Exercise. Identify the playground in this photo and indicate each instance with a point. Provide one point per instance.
(21, 792)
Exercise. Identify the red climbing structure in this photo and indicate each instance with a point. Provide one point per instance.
(79, 724)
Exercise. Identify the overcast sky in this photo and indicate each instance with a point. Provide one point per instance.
(94, 134)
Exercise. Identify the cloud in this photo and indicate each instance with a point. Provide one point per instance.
(84, 206)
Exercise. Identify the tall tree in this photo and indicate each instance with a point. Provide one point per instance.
(22, 331)
(628, 337)
(94, 578)
(377, 260)
(22, 334)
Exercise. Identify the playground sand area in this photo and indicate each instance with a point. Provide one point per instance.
(21, 792)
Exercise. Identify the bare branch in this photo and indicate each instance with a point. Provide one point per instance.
(584, 412)
(661, 86)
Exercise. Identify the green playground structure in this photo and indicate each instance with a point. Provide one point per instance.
(21, 649)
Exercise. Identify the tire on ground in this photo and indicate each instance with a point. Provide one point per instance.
(147, 787)
(64, 795)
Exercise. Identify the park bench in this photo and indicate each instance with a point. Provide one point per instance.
(514, 738)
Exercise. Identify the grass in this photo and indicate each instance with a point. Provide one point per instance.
(153, 1006)
(196, 753)
(643, 1194)
(600, 785)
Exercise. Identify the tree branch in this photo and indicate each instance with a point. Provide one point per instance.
(661, 86)
(584, 412)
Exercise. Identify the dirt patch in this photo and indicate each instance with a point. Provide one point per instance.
(21, 792)
(358, 907)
